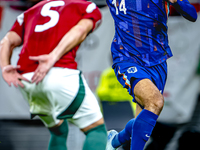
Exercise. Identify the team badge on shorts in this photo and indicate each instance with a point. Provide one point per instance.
(132, 70)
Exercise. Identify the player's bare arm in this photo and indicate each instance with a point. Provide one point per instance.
(8, 43)
(9, 72)
(71, 39)
(74, 37)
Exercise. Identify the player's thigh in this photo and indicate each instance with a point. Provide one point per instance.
(148, 95)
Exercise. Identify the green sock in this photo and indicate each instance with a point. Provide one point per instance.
(96, 138)
(58, 137)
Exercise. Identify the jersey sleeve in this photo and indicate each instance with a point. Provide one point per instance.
(186, 9)
(18, 26)
(89, 10)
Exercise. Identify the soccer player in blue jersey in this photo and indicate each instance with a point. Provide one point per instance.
(140, 50)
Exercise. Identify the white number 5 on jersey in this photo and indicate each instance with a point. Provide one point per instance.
(54, 15)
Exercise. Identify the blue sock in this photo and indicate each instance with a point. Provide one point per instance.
(142, 128)
(124, 135)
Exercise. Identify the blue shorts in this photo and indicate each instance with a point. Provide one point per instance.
(129, 74)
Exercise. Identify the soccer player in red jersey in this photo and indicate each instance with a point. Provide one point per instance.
(46, 72)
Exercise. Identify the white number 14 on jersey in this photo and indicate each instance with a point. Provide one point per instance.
(122, 6)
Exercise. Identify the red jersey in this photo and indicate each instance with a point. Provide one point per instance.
(43, 26)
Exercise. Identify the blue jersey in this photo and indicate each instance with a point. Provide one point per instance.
(140, 31)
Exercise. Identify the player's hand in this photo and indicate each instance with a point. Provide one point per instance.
(45, 64)
(11, 76)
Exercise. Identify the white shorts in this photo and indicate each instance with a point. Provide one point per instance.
(62, 94)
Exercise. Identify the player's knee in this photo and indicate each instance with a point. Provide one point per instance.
(155, 105)
(60, 130)
(158, 104)
(93, 125)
